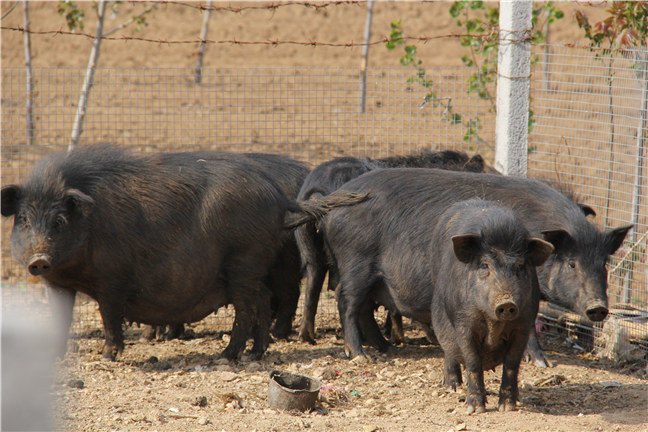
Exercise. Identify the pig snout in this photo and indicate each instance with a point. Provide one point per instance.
(596, 312)
(506, 311)
(39, 264)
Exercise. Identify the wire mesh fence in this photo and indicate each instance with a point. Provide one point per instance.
(313, 114)
(308, 113)
(590, 134)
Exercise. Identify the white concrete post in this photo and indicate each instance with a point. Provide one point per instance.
(514, 70)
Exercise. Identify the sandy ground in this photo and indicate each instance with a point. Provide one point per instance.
(184, 385)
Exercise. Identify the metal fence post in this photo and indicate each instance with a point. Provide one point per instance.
(514, 69)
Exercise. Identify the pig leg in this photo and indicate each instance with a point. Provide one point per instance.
(315, 274)
(396, 336)
(314, 262)
(175, 331)
(476, 391)
(451, 372)
(508, 394)
(534, 351)
(285, 278)
(429, 333)
(111, 315)
(62, 304)
(371, 330)
(261, 334)
(353, 294)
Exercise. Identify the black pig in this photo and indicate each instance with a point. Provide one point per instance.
(575, 276)
(328, 177)
(160, 239)
(284, 277)
(485, 295)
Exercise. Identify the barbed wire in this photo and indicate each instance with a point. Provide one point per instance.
(276, 42)
(244, 42)
(270, 6)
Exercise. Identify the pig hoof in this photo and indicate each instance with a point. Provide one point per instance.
(361, 359)
(506, 406)
(306, 336)
(543, 362)
(229, 354)
(472, 409)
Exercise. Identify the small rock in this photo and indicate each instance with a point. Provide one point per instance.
(228, 376)
(226, 338)
(460, 426)
(254, 367)
(608, 384)
(152, 360)
(221, 361)
(325, 373)
(77, 384)
(199, 369)
(361, 360)
(224, 368)
(174, 410)
(163, 365)
(370, 428)
(200, 401)
(203, 421)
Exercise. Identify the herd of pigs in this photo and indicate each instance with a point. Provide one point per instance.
(166, 239)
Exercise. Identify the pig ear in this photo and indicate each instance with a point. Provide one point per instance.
(558, 238)
(614, 238)
(474, 164)
(466, 247)
(77, 200)
(587, 210)
(538, 251)
(10, 199)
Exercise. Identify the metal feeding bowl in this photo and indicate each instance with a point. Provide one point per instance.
(290, 391)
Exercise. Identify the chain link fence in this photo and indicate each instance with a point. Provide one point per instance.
(313, 114)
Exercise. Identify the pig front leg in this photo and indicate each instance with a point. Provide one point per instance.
(112, 317)
(508, 394)
(534, 352)
(476, 391)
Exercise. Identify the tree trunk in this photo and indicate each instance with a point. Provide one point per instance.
(203, 37)
(77, 127)
(29, 80)
(365, 56)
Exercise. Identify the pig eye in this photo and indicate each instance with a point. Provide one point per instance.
(483, 266)
(572, 264)
(60, 221)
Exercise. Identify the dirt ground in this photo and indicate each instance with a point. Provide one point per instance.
(184, 385)
(399, 391)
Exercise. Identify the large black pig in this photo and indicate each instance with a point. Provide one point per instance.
(160, 239)
(284, 277)
(328, 177)
(467, 268)
(575, 276)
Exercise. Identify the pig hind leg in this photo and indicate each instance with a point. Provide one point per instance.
(284, 280)
(353, 295)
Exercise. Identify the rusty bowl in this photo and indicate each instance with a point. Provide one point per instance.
(289, 391)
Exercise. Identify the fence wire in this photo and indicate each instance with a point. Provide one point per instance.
(308, 113)
(589, 134)
(312, 114)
